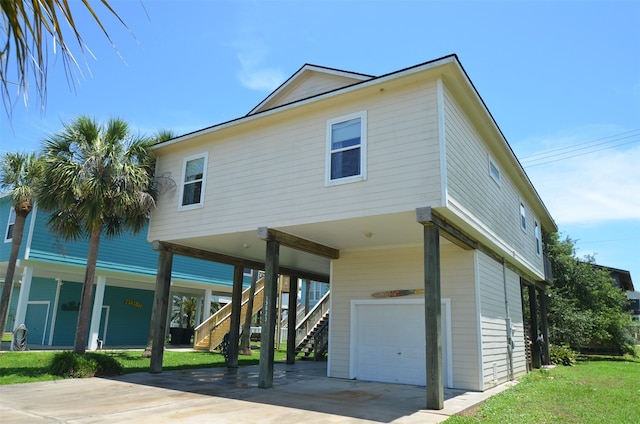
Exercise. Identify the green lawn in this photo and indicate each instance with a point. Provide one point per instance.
(26, 367)
(596, 390)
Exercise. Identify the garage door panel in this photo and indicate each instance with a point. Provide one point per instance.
(389, 342)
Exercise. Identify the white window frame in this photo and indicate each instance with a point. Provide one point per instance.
(494, 172)
(363, 149)
(523, 216)
(538, 238)
(187, 159)
(11, 222)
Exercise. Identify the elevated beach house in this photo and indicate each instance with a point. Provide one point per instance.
(401, 191)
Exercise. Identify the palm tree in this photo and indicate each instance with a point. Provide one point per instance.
(29, 27)
(19, 173)
(96, 181)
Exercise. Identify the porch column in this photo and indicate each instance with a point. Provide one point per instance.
(23, 297)
(96, 313)
(234, 326)
(544, 326)
(291, 319)
(533, 331)
(265, 376)
(160, 310)
(432, 315)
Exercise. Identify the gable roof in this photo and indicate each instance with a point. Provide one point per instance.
(308, 81)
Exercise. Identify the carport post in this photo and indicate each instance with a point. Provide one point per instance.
(432, 315)
(160, 309)
(544, 326)
(533, 308)
(267, 333)
(291, 318)
(236, 308)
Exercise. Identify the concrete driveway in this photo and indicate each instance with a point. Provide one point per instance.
(301, 393)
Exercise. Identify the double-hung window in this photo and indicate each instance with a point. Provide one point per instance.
(8, 236)
(346, 149)
(193, 179)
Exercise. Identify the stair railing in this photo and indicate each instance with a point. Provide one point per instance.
(311, 319)
(205, 329)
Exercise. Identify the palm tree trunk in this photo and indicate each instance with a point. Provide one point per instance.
(16, 241)
(84, 313)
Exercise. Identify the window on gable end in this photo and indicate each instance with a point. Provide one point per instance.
(494, 171)
(346, 149)
(8, 236)
(193, 181)
(523, 217)
(536, 232)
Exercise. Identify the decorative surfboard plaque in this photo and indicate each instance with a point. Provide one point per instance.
(397, 293)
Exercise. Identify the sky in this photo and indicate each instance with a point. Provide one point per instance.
(561, 79)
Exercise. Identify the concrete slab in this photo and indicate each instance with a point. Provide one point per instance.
(301, 392)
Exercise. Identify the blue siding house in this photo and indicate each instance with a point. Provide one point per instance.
(50, 272)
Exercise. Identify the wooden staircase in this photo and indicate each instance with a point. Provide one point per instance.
(312, 333)
(210, 334)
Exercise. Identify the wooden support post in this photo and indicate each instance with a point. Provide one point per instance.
(291, 319)
(433, 317)
(265, 375)
(161, 306)
(544, 326)
(236, 308)
(533, 309)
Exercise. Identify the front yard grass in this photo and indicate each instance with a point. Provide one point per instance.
(27, 367)
(596, 390)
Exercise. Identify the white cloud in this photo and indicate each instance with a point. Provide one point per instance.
(594, 188)
(254, 73)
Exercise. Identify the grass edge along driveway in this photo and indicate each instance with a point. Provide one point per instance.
(596, 390)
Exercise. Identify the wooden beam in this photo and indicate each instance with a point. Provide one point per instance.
(236, 308)
(298, 243)
(291, 319)
(433, 318)
(456, 236)
(267, 342)
(207, 255)
(161, 307)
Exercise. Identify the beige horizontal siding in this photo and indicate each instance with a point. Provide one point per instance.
(495, 206)
(280, 165)
(358, 274)
(495, 358)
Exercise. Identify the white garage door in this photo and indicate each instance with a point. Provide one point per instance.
(388, 341)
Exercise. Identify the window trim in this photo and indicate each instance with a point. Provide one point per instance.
(11, 222)
(363, 149)
(523, 216)
(185, 160)
(537, 237)
(494, 172)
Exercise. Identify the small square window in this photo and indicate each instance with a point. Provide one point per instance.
(193, 180)
(8, 236)
(346, 149)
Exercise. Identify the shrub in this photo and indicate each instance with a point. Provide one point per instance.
(562, 355)
(73, 365)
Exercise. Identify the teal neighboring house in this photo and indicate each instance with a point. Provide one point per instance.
(50, 271)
